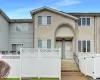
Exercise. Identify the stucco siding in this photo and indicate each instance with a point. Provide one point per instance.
(64, 32)
(4, 34)
(23, 37)
(86, 33)
(48, 31)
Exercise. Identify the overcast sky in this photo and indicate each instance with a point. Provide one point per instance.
(22, 8)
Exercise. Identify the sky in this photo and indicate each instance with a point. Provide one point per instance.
(20, 9)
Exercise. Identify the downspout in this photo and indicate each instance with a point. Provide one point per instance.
(76, 37)
(33, 29)
(94, 34)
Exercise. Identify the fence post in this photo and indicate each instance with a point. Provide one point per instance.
(20, 64)
(60, 63)
(94, 76)
(38, 63)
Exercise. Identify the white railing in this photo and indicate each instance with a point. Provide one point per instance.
(34, 63)
(89, 64)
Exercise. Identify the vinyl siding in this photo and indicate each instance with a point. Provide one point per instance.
(4, 34)
(25, 37)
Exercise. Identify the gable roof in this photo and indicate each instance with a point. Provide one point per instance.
(4, 15)
(53, 10)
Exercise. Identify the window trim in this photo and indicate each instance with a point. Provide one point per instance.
(44, 25)
(85, 22)
(82, 46)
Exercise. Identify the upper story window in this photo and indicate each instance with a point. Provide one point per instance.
(22, 27)
(84, 46)
(84, 22)
(44, 20)
(18, 28)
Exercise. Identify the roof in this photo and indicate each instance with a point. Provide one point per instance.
(14, 20)
(85, 14)
(4, 15)
(53, 10)
(21, 20)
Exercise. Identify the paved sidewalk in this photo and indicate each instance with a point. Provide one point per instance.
(74, 78)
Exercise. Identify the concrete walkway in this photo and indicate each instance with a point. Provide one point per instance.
(73, 76)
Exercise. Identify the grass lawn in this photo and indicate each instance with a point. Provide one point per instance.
(33, 79)
(45, 79)
(12, 79)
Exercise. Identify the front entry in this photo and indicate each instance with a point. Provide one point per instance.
(66, 48)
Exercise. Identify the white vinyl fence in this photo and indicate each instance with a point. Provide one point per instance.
(89, 64)
(35, 63)
(14, 62)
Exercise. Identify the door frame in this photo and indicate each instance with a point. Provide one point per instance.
(63, 40)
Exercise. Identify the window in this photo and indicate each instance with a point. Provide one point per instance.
(88, 21)
(16, 47)
(84, 46)
(84, 22)
(44, 20)
(48, 43)
(79, 46)
(19, 28)
(79, 22)
(88, 46)
(44, 43)
(48, 19)
(39, 20)
(22, 27)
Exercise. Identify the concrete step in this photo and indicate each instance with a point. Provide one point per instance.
(72, 74)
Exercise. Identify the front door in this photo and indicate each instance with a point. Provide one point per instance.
(66, 49)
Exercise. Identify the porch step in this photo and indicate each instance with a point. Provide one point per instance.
(71, 74)
(69, 66)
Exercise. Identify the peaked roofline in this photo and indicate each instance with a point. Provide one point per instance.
(4, 15)
(53, 10)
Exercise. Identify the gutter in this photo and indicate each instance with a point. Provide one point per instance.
(94, 33)
(33, 30)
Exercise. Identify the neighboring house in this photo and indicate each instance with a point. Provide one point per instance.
(50, 28)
